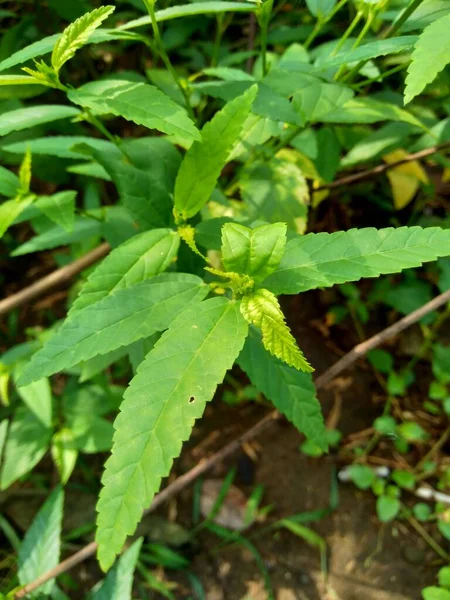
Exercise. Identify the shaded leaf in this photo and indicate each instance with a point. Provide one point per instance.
(22, 118)
(118, 584)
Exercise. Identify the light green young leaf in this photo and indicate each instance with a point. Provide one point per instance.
(291, 391)
(59, 208)
(118, 583)
(27, 442)
(255, 252)
(77, 34)
(204, 161)
(262, 309)
(83, 228)
(324, 259)
(10, 210)
(141, 257)
(64, 453)
(369, 110)
(18, 80)
(25, 174)
(194, 8)
(435, 593)
(9, 183)
(320, 8)
(41, 546)
(431, 54)
(160, 407)
(38, 397)
(23, 118)
(139, 102)
(117, 320)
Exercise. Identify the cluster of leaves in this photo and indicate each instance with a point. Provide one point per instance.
(190, 287)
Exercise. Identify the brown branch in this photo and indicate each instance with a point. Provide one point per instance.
(380, 169)
(184, 480)
(53, 279)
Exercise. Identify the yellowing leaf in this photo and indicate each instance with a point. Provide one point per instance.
(405, 179)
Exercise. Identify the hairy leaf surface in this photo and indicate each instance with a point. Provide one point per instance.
(77, 34)
(262, 309)
(160, 407)
(138, 259)
(291, 391)
(255, 252)
(204, 161)
(41, 546)
(116, 320)
(324, 259)
(431, 54)
(139, 102)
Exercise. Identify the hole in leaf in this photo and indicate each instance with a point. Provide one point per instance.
(191, 399)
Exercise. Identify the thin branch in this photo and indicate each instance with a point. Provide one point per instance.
(181, 482)
(380, 169)
(53, 279)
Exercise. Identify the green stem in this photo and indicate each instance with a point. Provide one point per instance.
(347, 32)
(93, 120)
(428, 539)
(358, 40)
(380, 77)
(216, 48)
(320, 23)
(150, 6)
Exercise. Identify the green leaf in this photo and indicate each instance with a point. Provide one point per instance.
(41, 546)
(18, 80)
(440, 363)
(38, 397)
(10, 210)
(23, 118)
(195, 8)
(25, 174)
(261, 308)
(443, 575)
(320, 8)
(145, 179)
(83, 228)
(275, 191)
(3, 431)
(118, 584)
(404, 479)
(77, 34)
(64, 453)
(204, 161)
(412, 431)
(369, 110)
(91, 434)
(291, 391)
(362, 476)
(34, 50)
(422, 511)
(160, 407)
(57, 145)
(323, 259)
(26, 444)
(431, 54)
(316, 100)
(255, 252)
(9, 183)
(387, 508)
(59, 208)
(139, 102)
(117, 320)
(435, 593)
(138, 259)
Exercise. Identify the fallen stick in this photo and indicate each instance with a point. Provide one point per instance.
(184, 480)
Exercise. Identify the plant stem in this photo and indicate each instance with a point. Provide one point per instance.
(321, 22)
(93, 120)
(150, 6)
(347, 32)
(219, 32)
(358, 40)
(380, 77)
(264, 25)
(435, 448)
(428, 539)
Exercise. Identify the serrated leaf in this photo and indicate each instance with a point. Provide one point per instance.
(261, 308)
(59, 208)
(204, 161)
(10, 210)
(291, 391)
(431, 54)
(255, 252)
(9, 183)
(275, 191)
(317, 99)
(83, 228)
(23, 118)
(138, 259)
(117, 585)
(324, 259)
(57, 145)
(117, 320)
(145, 179)
(34, 50)
(160, 407)
(369, 110)
(27, 442)
(25, 174)
(77, 34)
(41, 546)
(139, 102)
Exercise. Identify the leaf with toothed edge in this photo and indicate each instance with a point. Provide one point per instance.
(164, 399)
